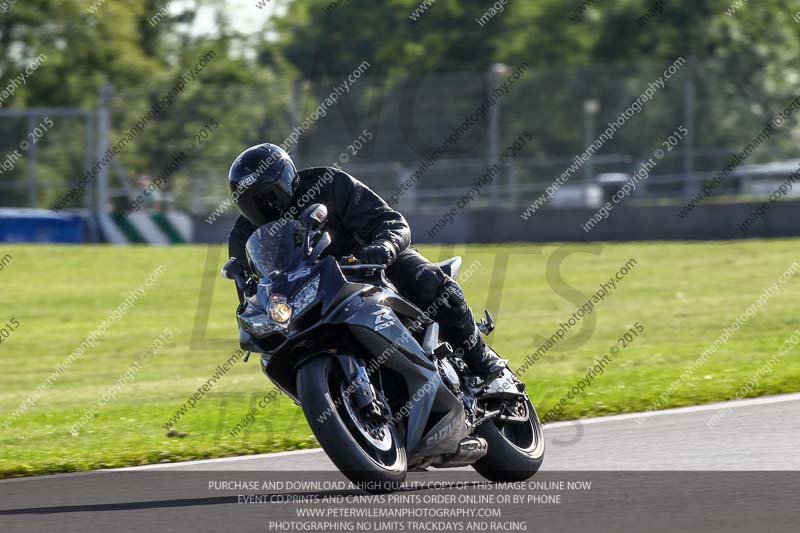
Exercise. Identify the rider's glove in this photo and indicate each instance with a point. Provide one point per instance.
(378, 253)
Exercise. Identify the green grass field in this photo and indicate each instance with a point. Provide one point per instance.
(682, 294)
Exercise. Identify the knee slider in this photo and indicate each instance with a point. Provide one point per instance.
(429, 280)
(452, 297)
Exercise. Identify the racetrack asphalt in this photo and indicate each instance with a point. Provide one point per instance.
(731, 466)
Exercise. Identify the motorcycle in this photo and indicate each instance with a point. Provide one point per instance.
(380, 391)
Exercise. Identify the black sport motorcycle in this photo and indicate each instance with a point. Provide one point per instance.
(382, 394)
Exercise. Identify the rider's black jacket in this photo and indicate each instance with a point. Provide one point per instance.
(356, 215)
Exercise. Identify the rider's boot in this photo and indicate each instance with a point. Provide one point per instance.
(484, 361)
(458, 328)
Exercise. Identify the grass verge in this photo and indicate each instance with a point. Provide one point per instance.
(682, 294)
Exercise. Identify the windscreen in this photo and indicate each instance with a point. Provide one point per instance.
(275, 247)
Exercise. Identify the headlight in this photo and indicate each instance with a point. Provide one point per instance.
(277, 318)
(258, 325)
(305, 295)
(279, 310)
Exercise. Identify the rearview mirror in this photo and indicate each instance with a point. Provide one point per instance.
(313, 218)
(315, 215)
(233, 269)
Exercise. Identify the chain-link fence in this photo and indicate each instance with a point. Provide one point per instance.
(439, 130)
(42, 151)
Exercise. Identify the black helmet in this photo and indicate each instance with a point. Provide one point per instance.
(263, 180)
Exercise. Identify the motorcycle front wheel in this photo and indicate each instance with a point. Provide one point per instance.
(368, 452)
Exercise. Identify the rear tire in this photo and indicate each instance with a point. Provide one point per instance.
(319, 388)
(516, 450)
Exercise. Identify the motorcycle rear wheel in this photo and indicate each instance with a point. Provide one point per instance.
(349, 440)
(516, 449)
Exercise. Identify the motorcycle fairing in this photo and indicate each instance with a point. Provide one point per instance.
(375, 324)
(372, 315)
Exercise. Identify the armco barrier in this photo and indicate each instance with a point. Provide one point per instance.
(625, 223)
(40, 225)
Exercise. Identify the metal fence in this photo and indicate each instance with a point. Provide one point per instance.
(559, 112)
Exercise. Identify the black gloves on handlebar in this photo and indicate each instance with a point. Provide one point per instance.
(378, 253)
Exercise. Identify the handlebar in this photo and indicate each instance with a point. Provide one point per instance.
(350, 262)
(362, 267)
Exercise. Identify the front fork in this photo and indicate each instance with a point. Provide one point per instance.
(370, 402)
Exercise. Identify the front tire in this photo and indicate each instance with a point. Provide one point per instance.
(342, 433)
(516, 449)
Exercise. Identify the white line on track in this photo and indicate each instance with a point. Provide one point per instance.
(598, 420)
(765, 400)
(216, 460)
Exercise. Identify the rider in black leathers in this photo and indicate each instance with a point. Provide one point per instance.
(266, 187)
